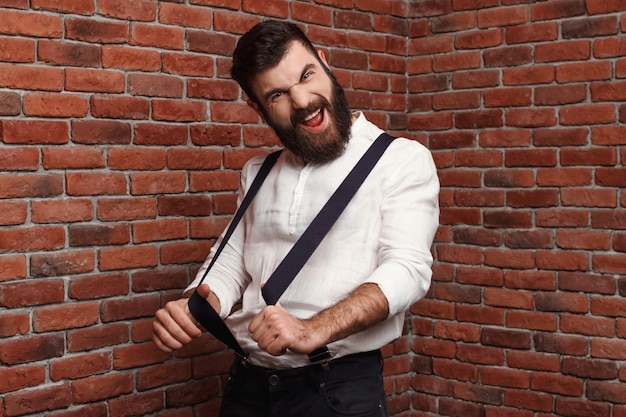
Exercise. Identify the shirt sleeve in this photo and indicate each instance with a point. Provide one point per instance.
(228, 277)
(410, 217)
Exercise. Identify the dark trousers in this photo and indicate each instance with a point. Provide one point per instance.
(352, 386)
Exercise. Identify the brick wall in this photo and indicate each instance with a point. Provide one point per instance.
(522, 105)
(121, 140)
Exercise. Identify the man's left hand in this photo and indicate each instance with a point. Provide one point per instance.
(276, 331)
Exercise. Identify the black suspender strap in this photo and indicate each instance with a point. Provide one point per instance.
(299, 253)
(199, 308)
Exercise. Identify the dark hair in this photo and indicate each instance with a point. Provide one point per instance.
(261, 48)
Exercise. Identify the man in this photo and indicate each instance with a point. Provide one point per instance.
(353, 292)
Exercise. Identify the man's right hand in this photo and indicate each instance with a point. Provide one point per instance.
(174, 326)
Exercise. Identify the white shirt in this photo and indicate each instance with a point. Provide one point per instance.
(383, 236)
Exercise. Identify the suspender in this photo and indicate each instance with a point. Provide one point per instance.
(299, 253)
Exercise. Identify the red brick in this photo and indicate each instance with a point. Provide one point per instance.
(588, 197)
(32, 239)
(126, 209)
(141, 10)
(554, 10)
(576, 50)
(95, 183)
(161, 279)
(591, 326)
(536, 74)
(30, 185)
(179, 110)
(19, 159)
(563, 177)
(507, 57)
(155, 85)
(193, 159)
(72, 158)
(431, 45)
(160, 134)
(138, 404)
(608, 135)
(101, 387)
(533, 361)
(129, 308)
(80, 366)
(524, 399)
(530, 117)
(70, 6)
(55, 105)
(130, 59)
(120, 107)
(603, 7)
(210, 43)
(558, 95)
(31, 348)
(67, 316)
(34, 132)
(312, 13)
(478, 39)
(17, 50)
(586, 408)
(61, 211)
(136, 159)
(98, 286)
(39, 400)
(30, 78)
(101, 132)
(13, 267)
(532, 32)
(127, 258)
(211, 89)
(94, 80)
(95, 337)
(189, 65)
(184, 252)
(183, 15)
(151, 35)
(503, 377)
(150, 231)
(94, 31)
(57, 264)
(68, 54)
(30, 24)
(532, 321)
(157, 183)
(20, 377)
(503, 16)
(26, 294)
(557, 384)
(11, 325)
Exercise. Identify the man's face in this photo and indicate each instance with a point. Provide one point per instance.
(304, 105)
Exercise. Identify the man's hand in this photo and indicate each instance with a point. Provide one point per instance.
(174, 326)
(275, 331)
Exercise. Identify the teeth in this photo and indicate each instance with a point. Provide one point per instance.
(312, 115)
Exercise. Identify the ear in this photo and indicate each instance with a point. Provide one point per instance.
(322, 56)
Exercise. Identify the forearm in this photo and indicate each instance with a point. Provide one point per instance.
(363, 308)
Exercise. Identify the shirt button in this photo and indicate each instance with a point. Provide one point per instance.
(274, 380)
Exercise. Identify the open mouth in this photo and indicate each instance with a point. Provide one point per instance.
(315, 121)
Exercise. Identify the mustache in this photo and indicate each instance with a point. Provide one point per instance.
(299, 115)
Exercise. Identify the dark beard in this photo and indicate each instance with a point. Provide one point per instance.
(322, 147)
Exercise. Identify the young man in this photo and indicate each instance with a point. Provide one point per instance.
(353, 292)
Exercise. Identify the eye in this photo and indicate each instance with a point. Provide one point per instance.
(277, 95)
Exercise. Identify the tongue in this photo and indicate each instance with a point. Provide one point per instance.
(314, 121)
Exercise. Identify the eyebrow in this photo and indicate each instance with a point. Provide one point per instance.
(270, 93)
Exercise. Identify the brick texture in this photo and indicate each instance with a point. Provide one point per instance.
(121, 141)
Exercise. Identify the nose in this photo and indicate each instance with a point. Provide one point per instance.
(300, 98)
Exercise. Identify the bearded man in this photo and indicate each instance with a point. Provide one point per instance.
(351, 296)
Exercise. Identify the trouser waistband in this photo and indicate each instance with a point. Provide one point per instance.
(353, 364)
